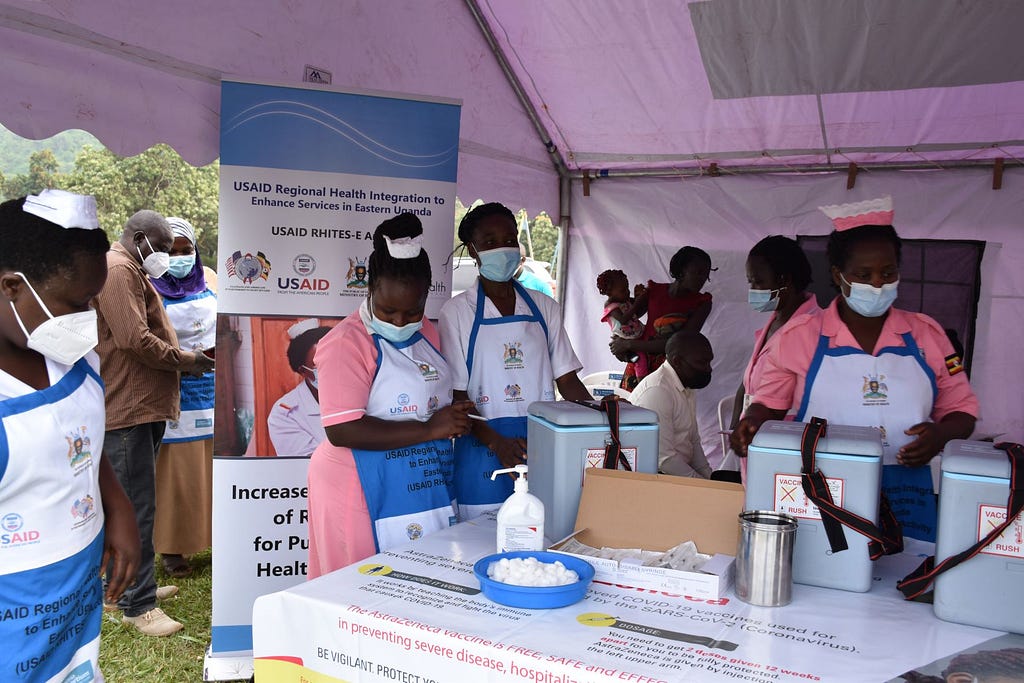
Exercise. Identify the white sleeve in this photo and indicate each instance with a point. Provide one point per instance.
(289, 435)
(659, 399)
(454, 332)
(563, 358)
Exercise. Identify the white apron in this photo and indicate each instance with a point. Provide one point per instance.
(892, 391)
(194, 319)
(408, 490)
(51, 528)
(509, 367)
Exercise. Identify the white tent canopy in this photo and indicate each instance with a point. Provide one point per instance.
(557, 93)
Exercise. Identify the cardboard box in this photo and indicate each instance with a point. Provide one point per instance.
(657, 512)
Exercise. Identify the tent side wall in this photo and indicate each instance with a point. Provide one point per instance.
(637, 224)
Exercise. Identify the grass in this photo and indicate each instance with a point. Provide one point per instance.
(127, 656)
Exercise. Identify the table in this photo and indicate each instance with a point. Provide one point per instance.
(415, 615)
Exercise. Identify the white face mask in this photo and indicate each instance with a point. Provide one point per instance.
(63, 338)
(868, 301)
(157, 263)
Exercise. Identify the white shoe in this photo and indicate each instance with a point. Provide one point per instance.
(162, 593)
(165, 592)
(154, 623)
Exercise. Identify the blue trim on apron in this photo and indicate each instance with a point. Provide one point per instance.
(65, 386)
(478, 318)
(910, 490)
(394, 484)
(474, 463)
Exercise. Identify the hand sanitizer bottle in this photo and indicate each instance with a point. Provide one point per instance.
(521, 516)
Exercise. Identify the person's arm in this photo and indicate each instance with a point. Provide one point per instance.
(699, 462)
(737, 406)
(123, 307)
(956, 408)
(288, 432)
(657, 399)
(511, 451)
(695, 320)
(374, 434)
(121, 542)
(757, 414)
(571, 387)
(932, 437)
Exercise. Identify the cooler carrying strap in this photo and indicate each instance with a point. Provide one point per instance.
(613, 455)
(881, 541)
(917, 582)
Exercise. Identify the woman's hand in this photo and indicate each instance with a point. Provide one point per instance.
(755, 416)
(510, 452)
(450, 421)
(121, 549)
(621, 348)
(926, 446)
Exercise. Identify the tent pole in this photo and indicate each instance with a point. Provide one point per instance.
(814, 168)
(517, 88)
(564, 213)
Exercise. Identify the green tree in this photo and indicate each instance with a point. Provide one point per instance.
(157, 179)
(43, 173)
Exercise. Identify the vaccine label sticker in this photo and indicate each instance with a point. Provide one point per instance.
(1010, 543)
(595, 457)
(791, 499)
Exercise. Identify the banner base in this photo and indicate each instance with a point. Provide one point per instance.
(234, 666)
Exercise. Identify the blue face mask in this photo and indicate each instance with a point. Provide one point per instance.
(315, 382)
(181, 266)
(393, 333)
(764, 300)
(868, 301)
(499, 265)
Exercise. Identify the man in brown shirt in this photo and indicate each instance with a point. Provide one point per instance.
(140, 362)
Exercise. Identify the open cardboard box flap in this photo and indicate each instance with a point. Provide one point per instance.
(657, 511)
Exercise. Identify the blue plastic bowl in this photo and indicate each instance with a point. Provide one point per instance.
(535, 597)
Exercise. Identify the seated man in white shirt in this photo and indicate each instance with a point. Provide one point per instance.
(669, 391)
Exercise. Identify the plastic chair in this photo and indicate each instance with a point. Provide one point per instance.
(730, 461)
(604, 383)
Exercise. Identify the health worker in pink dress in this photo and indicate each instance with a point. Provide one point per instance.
(864, 362)
(383, 476)
(778, 274)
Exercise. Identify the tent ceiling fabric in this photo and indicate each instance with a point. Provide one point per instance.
(638, 86)
(134, 74)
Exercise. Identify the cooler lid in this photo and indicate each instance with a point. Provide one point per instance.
(982, 458)
(838, 439)
(569, 414)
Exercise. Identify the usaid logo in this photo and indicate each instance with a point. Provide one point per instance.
(405, 406)
(304, 265)
(12, 521)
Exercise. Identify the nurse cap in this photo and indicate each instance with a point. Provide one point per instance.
(303, 326)
(404, 247)
(869, 212)
(63, 208)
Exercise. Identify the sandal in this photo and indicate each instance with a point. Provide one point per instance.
(176, 566)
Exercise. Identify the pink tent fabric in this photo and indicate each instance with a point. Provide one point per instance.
(616, 86)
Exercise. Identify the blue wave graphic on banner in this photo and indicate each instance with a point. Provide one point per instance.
(300, 129)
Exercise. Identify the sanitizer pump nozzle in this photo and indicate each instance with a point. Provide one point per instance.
(521, 516)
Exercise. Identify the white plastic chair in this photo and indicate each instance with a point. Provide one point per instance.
(604, 383)
(730, 461)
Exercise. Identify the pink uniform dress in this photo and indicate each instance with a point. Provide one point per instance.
(762, 348)
(912, 375)
(340, 529)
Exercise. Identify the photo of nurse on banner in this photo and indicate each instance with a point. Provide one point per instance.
(267, 400)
